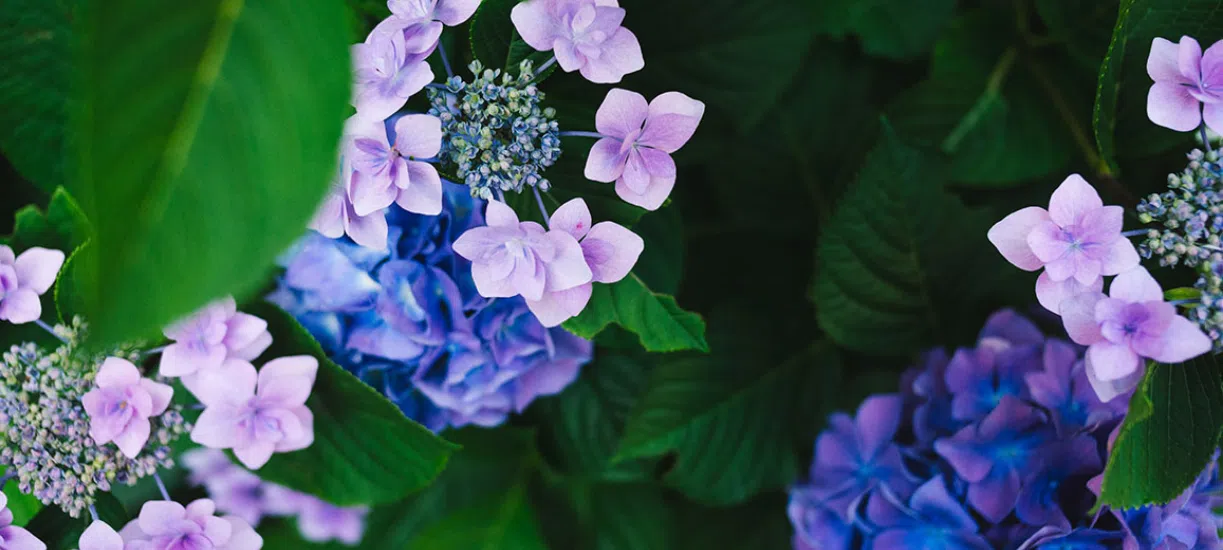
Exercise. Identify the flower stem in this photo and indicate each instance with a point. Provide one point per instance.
(545, 66)
(578, 133)
(49, 330)
(441, 51)
(1134, 233)
(542, 209)
(1205, 139)
(161, 486)
(93, 512)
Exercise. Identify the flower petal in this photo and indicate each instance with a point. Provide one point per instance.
(418, 136)
(620, 55)
(20, 306)
(131, 440)
(287, 381)
(1010, 236)
(611, 251)
(573, 218)
(1170, 105)
(37, 268)
(160, 394)
(1136, 285)
(233, 382)
(1162, 62)
(1189, 59)
(256, 454)
(1183, 340)
(1051, 293)
(161, 517)
(368, 231)
(499, 214)
(652, 198)
(534, 24)
(100, 536)
(1120, 257)
(1107, 390)
(556, 307)
(606, 161)
(621, 113)
(1109, 361)
(569, 268)
(1079, 316)
(1072, 200)
(117, 373)
(424, 194)
(455, 12)
(673, 118)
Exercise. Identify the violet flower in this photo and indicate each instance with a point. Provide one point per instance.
(1132, 323)
(386, 73)
(13, 537)
(23, 279)
(857, 456)
(585, 35)
(395, 172)
(166, 525)
(120, 406)
(447, 12)
(100, 536)
(337, 217)
(206, 338)
(638, 139)
(320, 521)
(256, 415)
(932, 520)
(1077, 240)
(1188, 84)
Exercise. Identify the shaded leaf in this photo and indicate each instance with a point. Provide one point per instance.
(889, 28)
(224, 154)
(23, 506)
(655, 318)
(59, 530)
(1169, 435)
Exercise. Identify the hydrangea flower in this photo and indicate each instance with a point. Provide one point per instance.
(256, 415)
(609, 249)
(638, 139)
(585, 36)
(364, 305)
(394, 172)
(387, 72)
(447, 12)
(205, 339)
(100, 536)
(120, 406)
(336, 216)
(1132, 323)
(1187, 84)
(1076, 240)
(1019, 475)
(320, 521)
(167, 525)
(13, 537)
(512, 258)
(23, 279)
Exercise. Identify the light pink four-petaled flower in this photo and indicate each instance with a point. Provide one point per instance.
(585, 35)
(336, 217)
(167, 525)
(256, 414)
(638, 139)
(206, 338)
(610, 250)
(1188, 84)
(387, 72)
(394, 172)
(121, 405)
(1133, 322)
(1077, 240)
(512, 258)
(23, 279)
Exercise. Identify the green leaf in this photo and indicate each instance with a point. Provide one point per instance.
(1182, 293)
(736, 56)
(897, 29)
(62, 227)
(365, 450)
(988, 106)
(491, 464)
(897, 261)
(756, 525)
(23, 506)
(492, 32)
(36, 46)
(59, 530)
(205, 143)
(655, 318)
(503, 523)
(1169, 436)
(631, 517)
(1120, 119)
(661, 265)
(583, 424)
(737, 418)
(67, 295)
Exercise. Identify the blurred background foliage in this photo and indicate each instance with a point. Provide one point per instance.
(828, 223)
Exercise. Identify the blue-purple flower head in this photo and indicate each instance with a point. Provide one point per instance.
(408, 320)
(1000, 445)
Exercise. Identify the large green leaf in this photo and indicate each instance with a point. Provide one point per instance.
(205, 142)
(584, 423)
(365, 450)
(1169, 436)
(992, 105)
(1120, 119)
(889, 28)
(491, 465)
(503, 523)
(736, 56)
(23, 506)
(62, 227)
(899, 260)
(36, 45)
(660, 323)
(736, 418)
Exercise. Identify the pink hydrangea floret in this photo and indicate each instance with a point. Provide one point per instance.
(121, 405)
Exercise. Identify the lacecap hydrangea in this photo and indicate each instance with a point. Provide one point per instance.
(1001, 445)
(408, 320)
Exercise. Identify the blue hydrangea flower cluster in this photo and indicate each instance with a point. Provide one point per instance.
(998, 446)
(408, 321)
(1190, 233)
(495, 134)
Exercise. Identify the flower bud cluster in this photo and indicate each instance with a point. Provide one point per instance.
(497, 137)
(44, 430)
(1189, 232)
